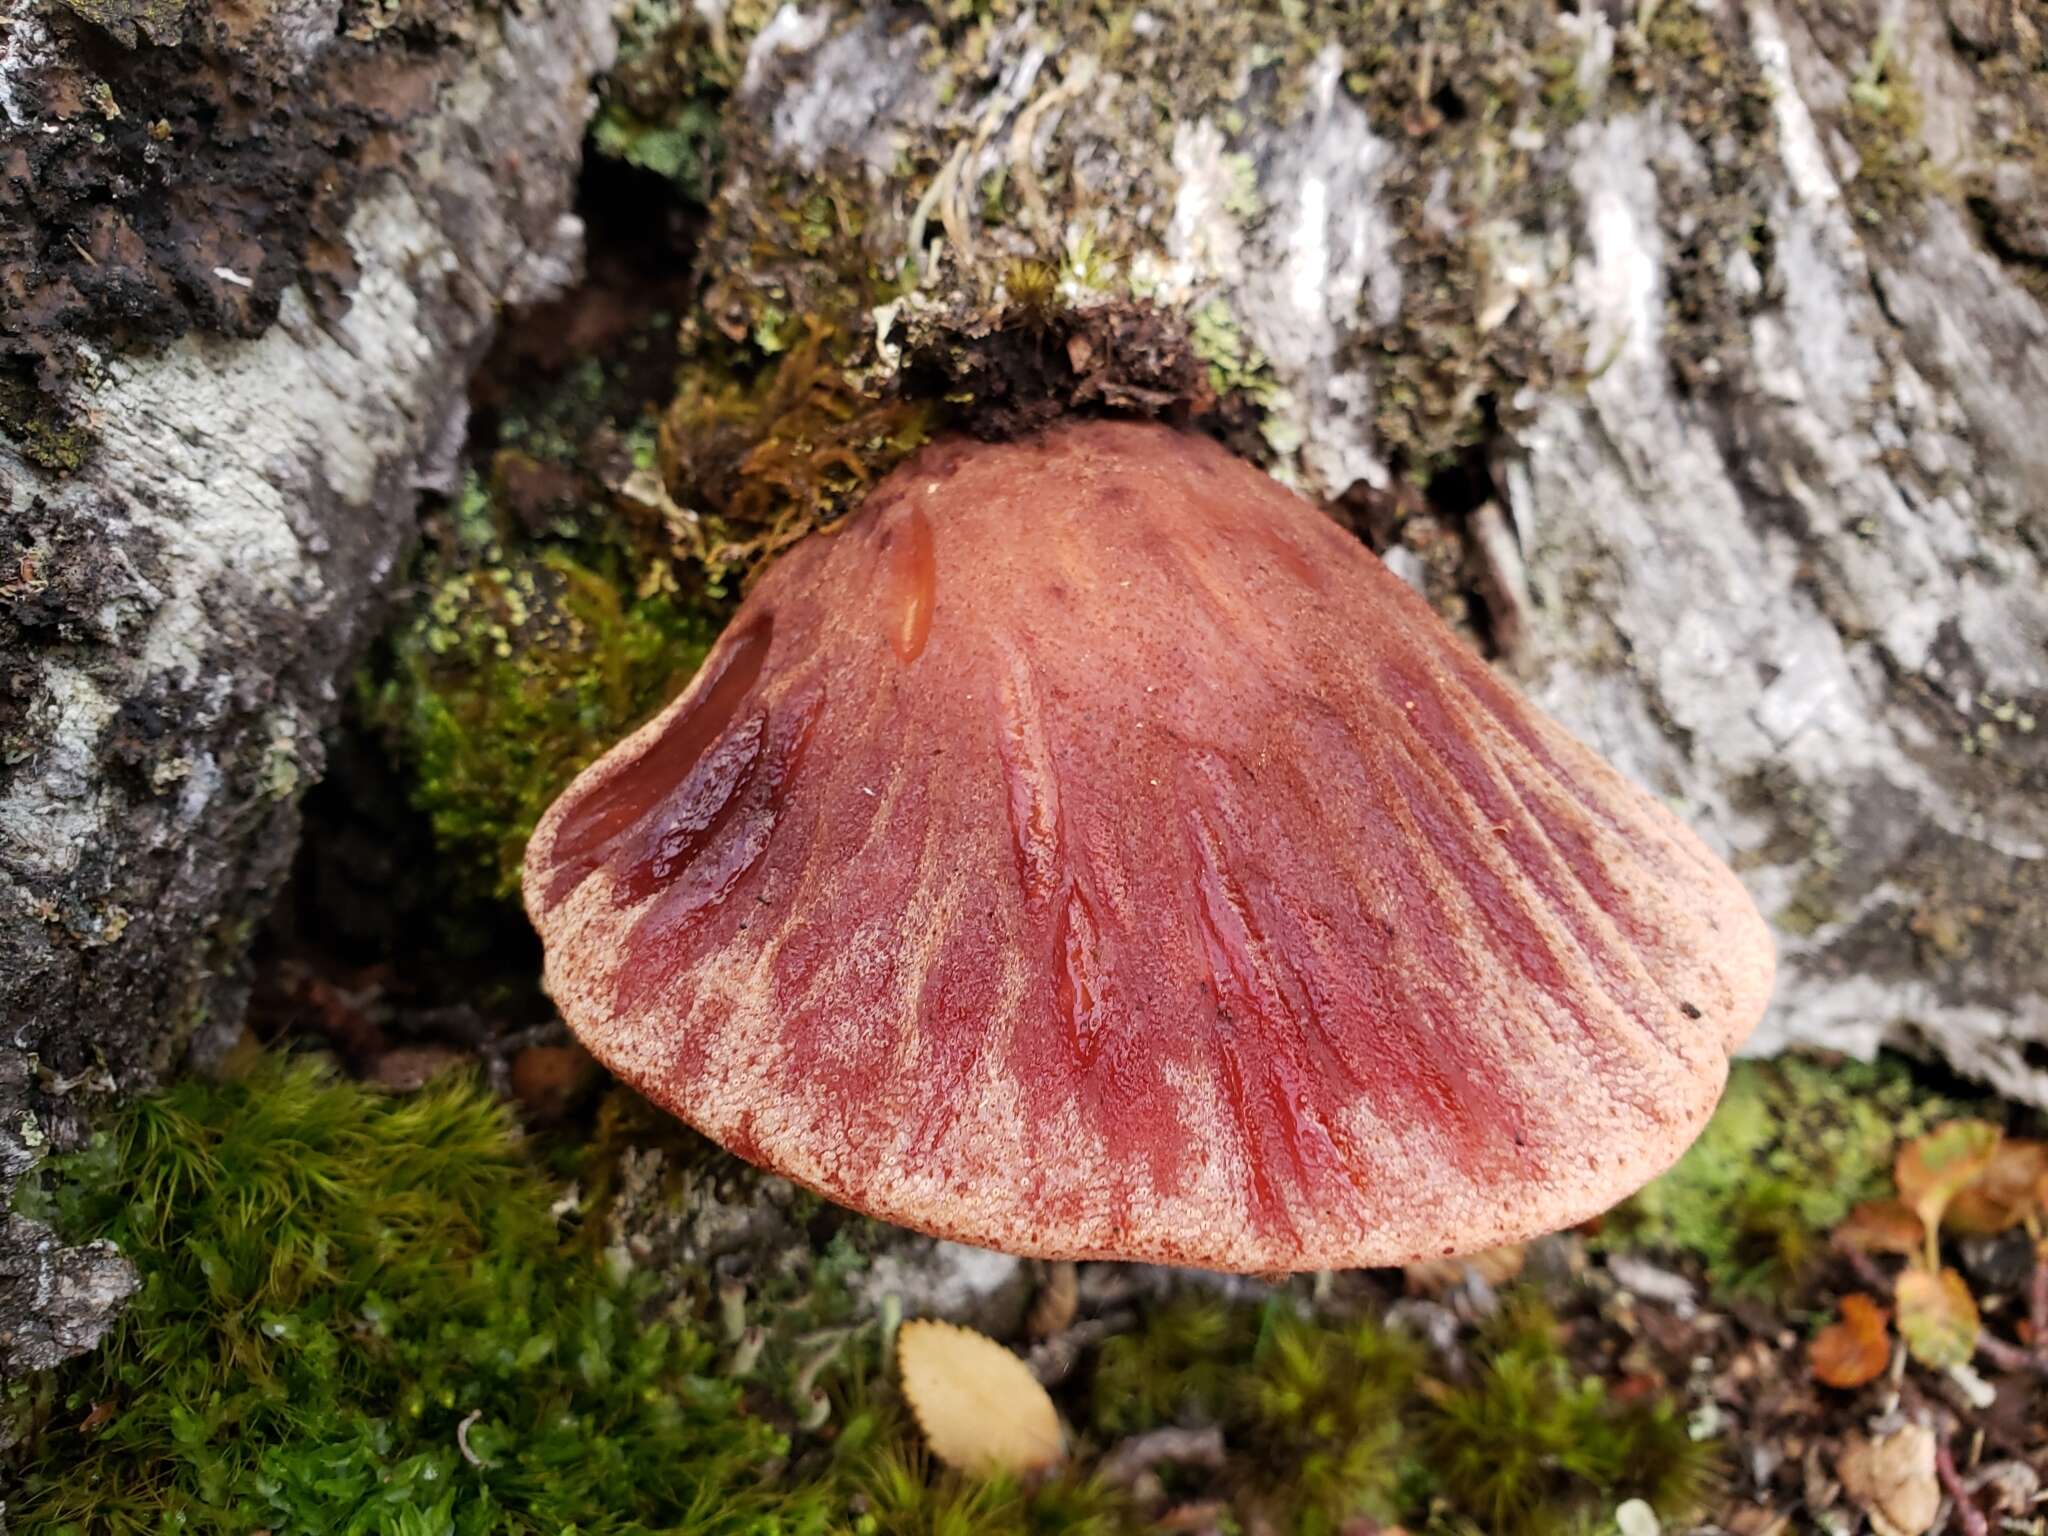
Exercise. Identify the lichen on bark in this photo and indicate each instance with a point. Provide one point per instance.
(262, 320)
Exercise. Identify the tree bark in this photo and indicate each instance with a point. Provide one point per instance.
(248, 265)
(1694, 356)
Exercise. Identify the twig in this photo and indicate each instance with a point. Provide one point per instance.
(462, 1438)
(1051, 1361)
(1131, 1459)
(2037, 1299)
(2010, 1357)
(1874, 1279)
(1968, 1515)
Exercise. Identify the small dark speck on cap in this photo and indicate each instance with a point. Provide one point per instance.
(1688, 1010)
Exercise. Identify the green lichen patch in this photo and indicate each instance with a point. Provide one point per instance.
(517, 669)
(1793, 1146)
(49, 434)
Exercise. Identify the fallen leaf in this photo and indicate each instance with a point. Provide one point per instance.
(1892, 1478)
(1931, 1170)
(101, 1412)
(1854, 1350)
(1881, 1226)
(2004, 1193)
(979, 1406)
(1937, 1318)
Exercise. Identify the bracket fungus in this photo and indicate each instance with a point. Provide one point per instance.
(1090, 850)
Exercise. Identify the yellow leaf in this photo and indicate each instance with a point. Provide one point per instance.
(1932, 1169)
(1937, 1318)
(979, 1406)
(1855, 1350)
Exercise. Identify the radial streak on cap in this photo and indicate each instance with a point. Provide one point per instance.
(1093, 851)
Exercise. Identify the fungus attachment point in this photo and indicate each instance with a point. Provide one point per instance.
(1102, 855)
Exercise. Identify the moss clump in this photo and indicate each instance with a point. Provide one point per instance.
(516, 671)
(357, 1314)
(1793, 1146)
(1528, 1448)
(1181, 1368)
(899, 1492)
(660, 108)
(773, 446)
(1882, 124)
(378, 1316)
(1330, 1422)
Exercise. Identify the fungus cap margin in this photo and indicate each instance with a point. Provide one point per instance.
(1089, 850)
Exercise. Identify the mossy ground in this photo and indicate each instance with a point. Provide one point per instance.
(1794, 1145)
(365, 1313)
(360, 1314)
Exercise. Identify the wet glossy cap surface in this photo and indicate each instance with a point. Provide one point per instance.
(1091, 850)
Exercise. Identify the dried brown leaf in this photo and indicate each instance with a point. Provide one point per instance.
(2001, 1197)
(1893, 1479)
(1881, 1226)
(979, 1406)
(1931, 1170)
(1937, 1317)
(1854, 1350)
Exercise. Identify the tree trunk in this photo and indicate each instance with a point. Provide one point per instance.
(1694, 357)
(247, 261)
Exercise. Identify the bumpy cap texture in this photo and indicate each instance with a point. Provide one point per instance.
(1090, 850)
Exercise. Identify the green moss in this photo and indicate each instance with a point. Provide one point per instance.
(1528, 1448)
(341, 1291)
(1882, 124)
(516, 671)
(773, 441)
(899, 1492)
(1332, 1421)
(1793, 1146)
(660, 108)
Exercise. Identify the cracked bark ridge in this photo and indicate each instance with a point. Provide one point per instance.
(177, 613)
(1744, 313)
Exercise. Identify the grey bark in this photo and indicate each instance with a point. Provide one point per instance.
(1789, 574)
(178, 614)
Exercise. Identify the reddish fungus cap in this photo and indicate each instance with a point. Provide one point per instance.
(1090, 850)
